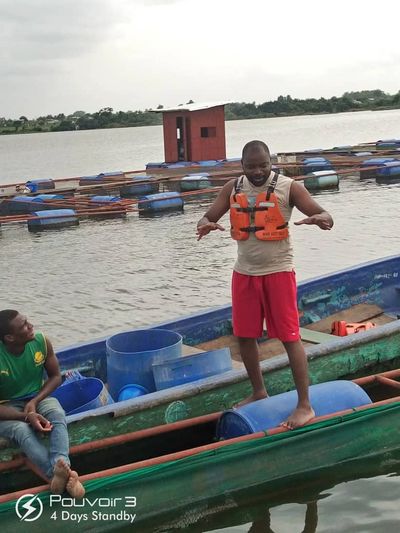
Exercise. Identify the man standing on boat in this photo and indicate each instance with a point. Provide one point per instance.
(25, 406)
(263, 282)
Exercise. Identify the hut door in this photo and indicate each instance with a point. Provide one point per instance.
(180, 139)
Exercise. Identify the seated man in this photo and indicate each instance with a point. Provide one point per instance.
(25, 405)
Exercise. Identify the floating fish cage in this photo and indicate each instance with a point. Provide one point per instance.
(141, 188)
(53, 219)
(164, 201)
(323, 179)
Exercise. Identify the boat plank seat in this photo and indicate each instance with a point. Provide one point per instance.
(357, 313)
(316, 337)
(268, 348)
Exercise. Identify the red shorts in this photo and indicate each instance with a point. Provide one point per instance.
(272, 297)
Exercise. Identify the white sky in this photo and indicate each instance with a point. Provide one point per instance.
(67, 55)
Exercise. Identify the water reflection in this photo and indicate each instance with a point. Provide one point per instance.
(263, 525)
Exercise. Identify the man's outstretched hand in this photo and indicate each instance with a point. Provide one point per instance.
(205, 229)
(321, 220)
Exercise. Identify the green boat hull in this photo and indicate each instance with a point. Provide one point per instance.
(172, 486)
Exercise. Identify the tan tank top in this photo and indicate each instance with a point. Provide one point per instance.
(256, 257)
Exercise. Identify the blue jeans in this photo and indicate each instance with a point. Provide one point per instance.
(22, 434)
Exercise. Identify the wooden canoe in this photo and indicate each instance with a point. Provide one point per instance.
(366, 292)
(149, 474)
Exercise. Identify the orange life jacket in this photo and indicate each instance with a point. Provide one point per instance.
(342, 328)
(269, 224)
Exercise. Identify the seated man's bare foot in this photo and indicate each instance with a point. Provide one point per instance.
(74, 486)
(299, 417)
(60, 478)
(253, 398)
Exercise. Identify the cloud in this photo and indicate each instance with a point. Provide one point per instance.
(40, 31)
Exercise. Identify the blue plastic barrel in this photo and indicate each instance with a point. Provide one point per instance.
(53, 218)
(191, 368)
(316, 166)
(194, 182)
(308, 160)
(321, 180)
(104, 199)
(40, 184)
(141, 184)
(131, 354)
(20, 205)
(326, 398)
(44, 197)
(366, 172)
(160, 202)
(389, 170)
(82, 395)
(99, 178)
(156, 165)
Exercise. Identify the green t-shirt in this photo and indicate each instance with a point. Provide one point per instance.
(22, 375)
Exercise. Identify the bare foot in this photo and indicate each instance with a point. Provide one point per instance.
(74, 486)
(299, 417)
(253, 398)
(61, 474)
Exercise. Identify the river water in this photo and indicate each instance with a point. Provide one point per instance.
(102, 277)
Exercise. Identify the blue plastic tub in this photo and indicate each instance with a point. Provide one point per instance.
(326, 398)
(131, 391)
(131, 354)
(191, 367)
(367, 173)
(53, 218)
(82, 395)
(160, 202)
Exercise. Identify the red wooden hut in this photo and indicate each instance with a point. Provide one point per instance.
(194, 132)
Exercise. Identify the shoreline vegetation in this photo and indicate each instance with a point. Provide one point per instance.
(283, 106)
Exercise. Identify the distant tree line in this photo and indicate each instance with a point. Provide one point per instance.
(282, 106)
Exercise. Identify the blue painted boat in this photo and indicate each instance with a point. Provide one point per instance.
(367, 292)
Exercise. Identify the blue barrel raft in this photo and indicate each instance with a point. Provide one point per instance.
(326, 398)
(53, 219)
(194, 182)
(131, 354)
(82, 395)
(321, 180)
(191, 368)
(40, 185)
(140, 185)
(163, 201)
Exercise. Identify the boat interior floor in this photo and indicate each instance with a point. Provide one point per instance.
(310, 333)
